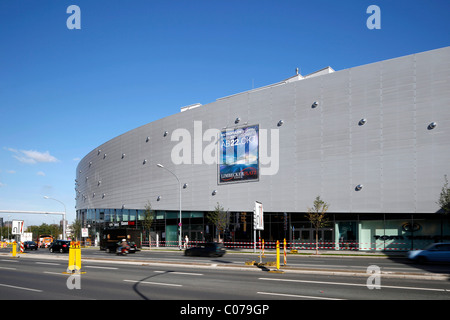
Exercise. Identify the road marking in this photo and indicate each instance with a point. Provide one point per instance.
(183, 273)
(297, 296)
(156, 283)
(9, 260)
(58, 273)
(98, 267)
(353, 284)
(6, 268)
(21, 288)
(49, 263)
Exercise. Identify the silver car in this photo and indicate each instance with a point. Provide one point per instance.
(436, 252)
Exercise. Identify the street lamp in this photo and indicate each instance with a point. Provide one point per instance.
(64, 216)
(179, 184)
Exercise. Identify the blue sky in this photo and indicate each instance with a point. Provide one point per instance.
(63, 92)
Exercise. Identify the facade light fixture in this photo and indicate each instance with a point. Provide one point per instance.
(432, 125)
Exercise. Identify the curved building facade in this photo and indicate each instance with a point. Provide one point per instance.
(372, 141)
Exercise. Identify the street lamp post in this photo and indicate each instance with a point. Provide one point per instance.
(179, 184)
(64, 216)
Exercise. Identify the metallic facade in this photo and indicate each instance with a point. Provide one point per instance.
(367, 146)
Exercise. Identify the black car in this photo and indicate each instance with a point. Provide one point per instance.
(30, 245)
(59, 246)
(211, 249)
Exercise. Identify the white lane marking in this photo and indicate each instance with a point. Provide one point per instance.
(155, 283)
(49, 263)
(58, 273)
(6, 268)
(98, 267)
(182, 273)
(297, 296)
(21, 288)
(352, 284)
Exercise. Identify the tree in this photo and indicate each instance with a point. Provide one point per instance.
(444, 203)
(219, 218)
(444, 198)
(76, 229)
(149, 215)
(317, 216)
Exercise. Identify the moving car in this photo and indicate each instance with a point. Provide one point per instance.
(59, 246)
(210, 249)
(111, 238)
(30, 245)
(436, 252)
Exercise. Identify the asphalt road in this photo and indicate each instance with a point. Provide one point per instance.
(171, 276)
(397, 264)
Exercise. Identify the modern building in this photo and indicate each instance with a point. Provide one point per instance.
(372, 141)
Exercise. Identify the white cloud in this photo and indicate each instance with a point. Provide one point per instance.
(32, 156)
(41, 173)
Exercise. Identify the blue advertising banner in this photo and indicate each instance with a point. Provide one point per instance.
(239, 155)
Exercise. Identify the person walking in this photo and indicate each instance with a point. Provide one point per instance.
(186, 242)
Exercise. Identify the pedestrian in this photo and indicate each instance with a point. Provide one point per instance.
(186, 241)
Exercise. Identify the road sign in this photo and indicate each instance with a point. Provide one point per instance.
(84, 232)
(259, 216)
(17, 227)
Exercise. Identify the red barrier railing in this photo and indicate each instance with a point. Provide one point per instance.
(297, 245)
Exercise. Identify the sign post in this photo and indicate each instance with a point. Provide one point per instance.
(258, 223)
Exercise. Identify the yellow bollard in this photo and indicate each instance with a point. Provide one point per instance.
(278, 255)
(284, 251)
(74, 258)
(14, 249)
(78, 256)
(263, 248)
(71, 266)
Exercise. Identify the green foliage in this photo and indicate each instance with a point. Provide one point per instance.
(444, 197)
(218, 217)
(317, 214)
(51, 229)
(149, 216)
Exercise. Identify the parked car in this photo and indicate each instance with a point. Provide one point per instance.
(208, 249)
(437, 252)
(30, 245)
(59, 246)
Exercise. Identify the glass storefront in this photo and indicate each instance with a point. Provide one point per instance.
(363, 231)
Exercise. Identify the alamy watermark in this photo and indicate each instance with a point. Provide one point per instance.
(374, 280)
(74, 280)
(74, 20)
(374, 21)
